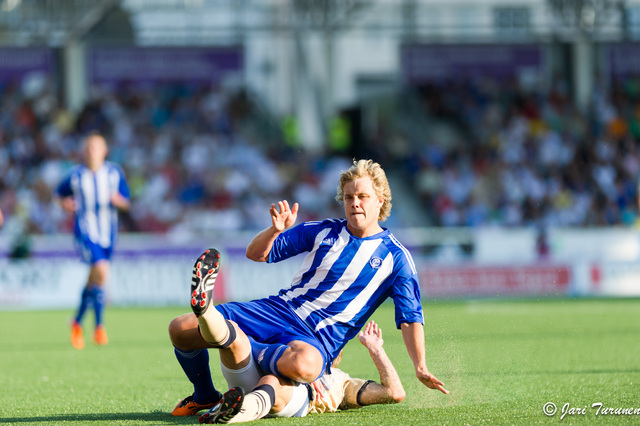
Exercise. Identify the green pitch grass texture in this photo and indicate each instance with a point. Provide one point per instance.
(502, 361)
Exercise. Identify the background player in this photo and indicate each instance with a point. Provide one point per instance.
(93, 192)
(352, 266)
(335, 390)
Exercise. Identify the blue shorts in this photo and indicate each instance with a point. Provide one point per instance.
(270, 320)
(91, 252)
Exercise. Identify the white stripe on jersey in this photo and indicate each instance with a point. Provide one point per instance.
(406, 252)
(308, 260)
(356, 305)
(332, 255)
(88, 191)
(93, 197)
(104, 213)
(359, 261)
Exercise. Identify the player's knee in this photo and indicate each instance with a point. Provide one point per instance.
(304, 366)
(178, 332)
(174, 331)
(270, 380)
(99, 272)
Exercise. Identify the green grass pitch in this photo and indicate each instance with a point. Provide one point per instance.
(501, 360)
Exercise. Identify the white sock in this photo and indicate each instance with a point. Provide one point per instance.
(213, 327)
(256, 404)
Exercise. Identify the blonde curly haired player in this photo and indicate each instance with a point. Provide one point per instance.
(351, 265)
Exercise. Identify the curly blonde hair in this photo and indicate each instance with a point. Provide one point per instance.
(363, 168)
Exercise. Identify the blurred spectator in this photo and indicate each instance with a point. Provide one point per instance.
(199, 159)
(530, 158)
(191, 165)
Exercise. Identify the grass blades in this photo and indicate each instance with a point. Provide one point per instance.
(501, 360)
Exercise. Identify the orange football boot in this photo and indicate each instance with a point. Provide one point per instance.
(100, 336)
(188, 407)
(77, 341)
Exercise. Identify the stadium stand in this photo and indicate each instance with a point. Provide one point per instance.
(530, 158)
(185, 151)
(521, 158)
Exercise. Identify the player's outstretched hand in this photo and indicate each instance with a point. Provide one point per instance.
(371, 335)
(430, 381)
(68, 204)
(283, 217)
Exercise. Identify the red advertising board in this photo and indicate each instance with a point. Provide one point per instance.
(488, 281)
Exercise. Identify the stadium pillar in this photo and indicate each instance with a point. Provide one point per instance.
(308, 104)
(75, 81)
(583, 71)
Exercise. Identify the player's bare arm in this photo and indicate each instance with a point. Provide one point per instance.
(389, 390)
(282, 217)
(413, 336)
(120, 202)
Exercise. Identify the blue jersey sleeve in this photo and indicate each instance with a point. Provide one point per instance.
(293, 241)
(64, 187)
(123, 187)
(406, 298)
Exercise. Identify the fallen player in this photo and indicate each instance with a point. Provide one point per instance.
(275, 396)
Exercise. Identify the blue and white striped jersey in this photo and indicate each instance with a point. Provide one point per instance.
(96, 219)
(343, 279)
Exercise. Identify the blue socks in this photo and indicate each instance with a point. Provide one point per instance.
(195, 365)
(267, 355)
(92, 295)
(98, 303)
(85, 301)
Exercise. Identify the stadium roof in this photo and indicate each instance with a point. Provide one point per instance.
(180, 22)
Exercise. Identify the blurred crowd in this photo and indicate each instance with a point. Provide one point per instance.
(529, 158)
(190, 165)
(521, 158)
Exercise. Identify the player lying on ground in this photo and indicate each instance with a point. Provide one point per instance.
(279, 397)
(352, 265)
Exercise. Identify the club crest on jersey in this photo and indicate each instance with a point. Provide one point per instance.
(329, 241)
(375, 262)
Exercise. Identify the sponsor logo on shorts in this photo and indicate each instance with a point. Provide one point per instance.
(261, 355)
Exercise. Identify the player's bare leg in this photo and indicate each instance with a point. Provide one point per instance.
(298, 360)
(189, 343)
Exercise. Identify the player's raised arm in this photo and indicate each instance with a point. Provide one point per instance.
(282, 217)
(413, 336)
(389, 390)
